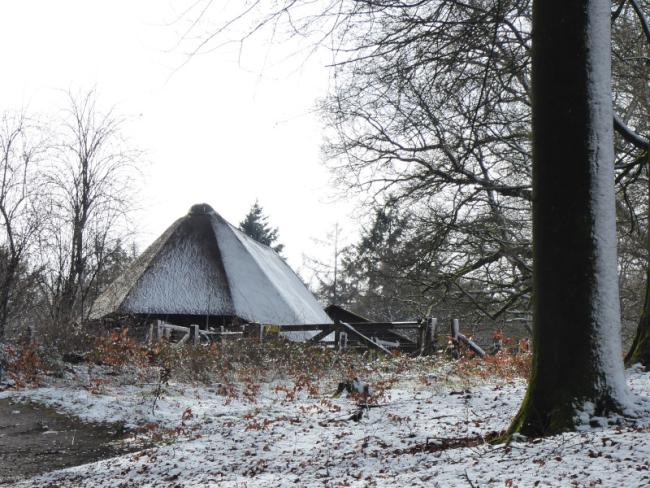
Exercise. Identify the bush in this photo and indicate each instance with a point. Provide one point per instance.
(24, 365)
(119, 350)
(506, 364)
(250, 359)
(57, 339)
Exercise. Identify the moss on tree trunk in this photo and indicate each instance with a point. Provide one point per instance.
(640, 350)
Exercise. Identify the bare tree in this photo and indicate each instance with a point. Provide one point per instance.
(631, 81)
(21, 146)
(430, 113)
(90, 187)
(430, 105)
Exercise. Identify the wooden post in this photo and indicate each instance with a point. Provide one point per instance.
(433, 331)
(455, 329)
(159, 330)
(429, 343)
(457, 338)
(151, 339)
(427, 337)
(195, 333)
(343, 341)
(261, 332)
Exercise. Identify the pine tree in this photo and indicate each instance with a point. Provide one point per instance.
(256, 225)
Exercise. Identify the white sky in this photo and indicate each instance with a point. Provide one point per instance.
(215, 130)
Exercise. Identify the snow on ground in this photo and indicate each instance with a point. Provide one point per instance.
(425, 431)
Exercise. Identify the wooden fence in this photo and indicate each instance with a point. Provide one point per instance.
(384, 337)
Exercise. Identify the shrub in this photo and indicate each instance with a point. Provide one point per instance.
(251, 360)
(58, 339)
(119, 350)
(24, 365)
(512, 361)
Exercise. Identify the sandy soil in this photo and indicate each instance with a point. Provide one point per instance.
(35, 439)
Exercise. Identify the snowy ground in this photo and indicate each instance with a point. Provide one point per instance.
(425, 431)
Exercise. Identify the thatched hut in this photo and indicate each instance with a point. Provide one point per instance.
(202, 270)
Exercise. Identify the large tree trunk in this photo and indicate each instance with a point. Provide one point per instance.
(577, 356)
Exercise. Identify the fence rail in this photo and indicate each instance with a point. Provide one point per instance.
(384, 337)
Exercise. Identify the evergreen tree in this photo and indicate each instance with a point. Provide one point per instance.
(256, 225)
(384, 276)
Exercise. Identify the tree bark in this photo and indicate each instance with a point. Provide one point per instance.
(577, 355)
(6, 288)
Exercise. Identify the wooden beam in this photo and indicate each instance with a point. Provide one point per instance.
(179, 328)
(322, 334)
(385, 343)
(471, 344)
(402, 338)
(360, 325)
(301, 327)
(366, 340)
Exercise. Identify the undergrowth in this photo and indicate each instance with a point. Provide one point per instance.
(24, 365)
(249, 362)
(513, 360)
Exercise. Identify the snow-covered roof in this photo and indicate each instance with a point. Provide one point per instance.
(202, 265)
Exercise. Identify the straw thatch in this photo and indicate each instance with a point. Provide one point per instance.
(202, 267)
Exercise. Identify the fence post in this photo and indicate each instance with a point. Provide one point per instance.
(195, 331)
(427, 337)
(430, 336)
(343, 341)
(455, 329)
(261, 332)
(159, 330)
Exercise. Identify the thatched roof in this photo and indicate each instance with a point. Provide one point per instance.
(203, 266)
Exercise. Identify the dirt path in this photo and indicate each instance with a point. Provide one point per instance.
(35, 439)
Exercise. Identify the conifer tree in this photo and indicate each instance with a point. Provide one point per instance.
(256, 225)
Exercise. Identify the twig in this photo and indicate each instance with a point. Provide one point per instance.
(469, 480)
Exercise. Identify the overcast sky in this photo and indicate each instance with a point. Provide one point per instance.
(214, 130)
